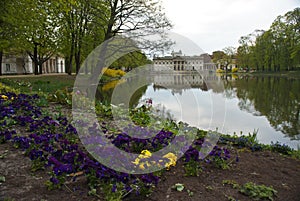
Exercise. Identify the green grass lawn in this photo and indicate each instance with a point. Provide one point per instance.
(45, 83)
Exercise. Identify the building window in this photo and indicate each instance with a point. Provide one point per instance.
(7, 67)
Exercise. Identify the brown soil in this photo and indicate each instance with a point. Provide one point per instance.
(268, 168)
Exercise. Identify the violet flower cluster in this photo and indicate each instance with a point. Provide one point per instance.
(55, 144)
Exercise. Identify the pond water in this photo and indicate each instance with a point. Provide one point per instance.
(269, 105)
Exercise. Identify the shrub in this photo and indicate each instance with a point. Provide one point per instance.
(234, 70)
(220, 71)
(6, 89)
(112, 72)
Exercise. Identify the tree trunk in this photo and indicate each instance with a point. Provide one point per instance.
(68, 64)
(69, 68)
(35, 59)
(77, 61)
(1, 53)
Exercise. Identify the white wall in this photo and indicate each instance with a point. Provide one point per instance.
(11, 61)
(61, 65)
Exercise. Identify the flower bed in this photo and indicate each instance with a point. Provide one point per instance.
(52, 143)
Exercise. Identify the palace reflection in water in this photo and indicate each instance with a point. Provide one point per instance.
(179, 82)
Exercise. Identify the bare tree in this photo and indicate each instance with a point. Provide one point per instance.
(141, 20)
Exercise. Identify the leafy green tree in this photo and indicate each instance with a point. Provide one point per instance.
(138, 20)
(33, 29)
(286, 31)
(225, 57)
(245, 52)
(275, 49)
(79, 29)
(218, 58)
(131, 60)
(2, 38)
(86, 24)
(5, 36)
(230, 55)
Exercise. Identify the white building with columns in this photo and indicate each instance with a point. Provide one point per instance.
(182, 63)
(22, 64)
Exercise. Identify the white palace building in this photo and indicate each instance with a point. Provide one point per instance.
(182, 63)
(22, 64)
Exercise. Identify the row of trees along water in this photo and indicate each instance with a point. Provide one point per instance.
(73, 28)
(275, 49)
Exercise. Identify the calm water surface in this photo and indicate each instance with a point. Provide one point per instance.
(267, 104)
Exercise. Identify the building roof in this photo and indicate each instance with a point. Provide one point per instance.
(178, 58)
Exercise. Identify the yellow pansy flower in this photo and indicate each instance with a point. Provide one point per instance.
(4, 97)
(141, 166)
(172, 160)
(137, 161)
(146, 153)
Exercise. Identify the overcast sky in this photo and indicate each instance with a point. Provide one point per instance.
(215, 24)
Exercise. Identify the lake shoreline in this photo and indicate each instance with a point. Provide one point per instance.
(292, 74)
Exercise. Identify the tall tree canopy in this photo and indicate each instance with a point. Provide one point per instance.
(32, 25)
(225, 57)
(74, 28)
(275, 49)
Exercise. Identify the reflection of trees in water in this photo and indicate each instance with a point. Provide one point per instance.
(104, 94)
(277, 98)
